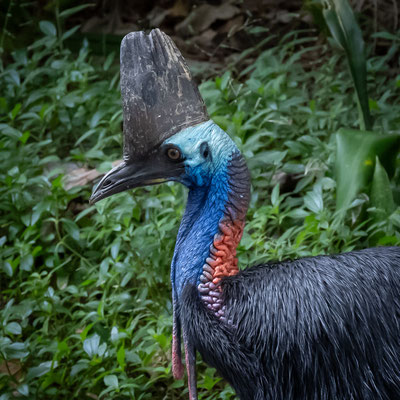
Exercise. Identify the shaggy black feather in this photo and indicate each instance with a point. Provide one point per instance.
(319, 328)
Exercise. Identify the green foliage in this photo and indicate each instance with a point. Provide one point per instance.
(381, 194)
(357, 150)
(355, 162)
(344, 28)
(85, 295)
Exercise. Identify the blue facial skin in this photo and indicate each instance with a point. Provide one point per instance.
(207, 150)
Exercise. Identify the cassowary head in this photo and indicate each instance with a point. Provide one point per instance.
(194, 157)
(167, 133)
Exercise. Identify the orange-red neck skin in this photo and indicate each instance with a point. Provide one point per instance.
(222, 262)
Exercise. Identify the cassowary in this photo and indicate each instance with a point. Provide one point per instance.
(319, 328)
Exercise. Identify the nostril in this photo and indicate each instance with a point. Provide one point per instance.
(107, 182)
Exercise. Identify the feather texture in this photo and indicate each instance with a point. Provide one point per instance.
(325, 327)
(318, 328)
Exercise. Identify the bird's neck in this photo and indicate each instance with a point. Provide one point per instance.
(210, 232)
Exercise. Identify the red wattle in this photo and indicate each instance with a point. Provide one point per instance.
(221, 262)
(177, 366)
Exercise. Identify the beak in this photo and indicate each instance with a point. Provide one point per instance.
(127, 176)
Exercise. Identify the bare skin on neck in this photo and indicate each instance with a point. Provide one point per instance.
(221, 262)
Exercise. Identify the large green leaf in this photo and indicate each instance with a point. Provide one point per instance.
(381, 193)
(355, 161)
(344, 28)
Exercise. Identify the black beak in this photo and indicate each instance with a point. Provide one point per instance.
(127, 176)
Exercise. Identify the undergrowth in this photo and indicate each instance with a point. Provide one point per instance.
(85, 294)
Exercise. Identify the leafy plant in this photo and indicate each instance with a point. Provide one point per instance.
(85, 297)
(356, 155)
(357, 151)
(344, 28)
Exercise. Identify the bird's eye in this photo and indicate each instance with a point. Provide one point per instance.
(173, 154)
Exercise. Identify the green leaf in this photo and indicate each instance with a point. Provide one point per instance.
(23, 389)
(7, 268)
(16, 350)
(14, 75)
(100, 309)
(114, 334)
(26, 262)
(86, 331)
(73, 10)
(69, 32)
(85, 212)
(71, 228)
(23, 139)
(41, 369)
(298, 213)
(225, 80)
(96, 118)
(108, 61)
(62, 348)
(267, 158)
(115, 248)
(80, 366)
(121, 357)
(15, 111)
(62, 281)
(13, 328)
(355, 161)
(48, 28)
(10, 131)
(313, 200)
(344, 28)
(381, 192)
(112, 381)
(386, 35)
(91, 345)
(275, 195)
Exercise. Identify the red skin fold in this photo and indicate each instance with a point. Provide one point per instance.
(221, 262)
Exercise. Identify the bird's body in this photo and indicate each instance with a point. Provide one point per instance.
(320, 328)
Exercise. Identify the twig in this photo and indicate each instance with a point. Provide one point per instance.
(396, 15)
(4, 30)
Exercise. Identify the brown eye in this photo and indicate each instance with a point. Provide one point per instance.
(174, 154)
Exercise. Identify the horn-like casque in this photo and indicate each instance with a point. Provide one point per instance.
(158, 93)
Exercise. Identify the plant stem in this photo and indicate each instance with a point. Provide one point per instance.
(4, 30)
(58, 24)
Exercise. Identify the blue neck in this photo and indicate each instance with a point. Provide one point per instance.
(204, 210)
(219, 188)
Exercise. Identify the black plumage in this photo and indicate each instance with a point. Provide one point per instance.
(318, 328)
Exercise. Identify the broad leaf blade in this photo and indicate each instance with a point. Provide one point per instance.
(355, 161)
(344, 28)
